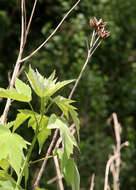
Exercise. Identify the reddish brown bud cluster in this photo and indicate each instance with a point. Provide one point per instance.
(99, 27)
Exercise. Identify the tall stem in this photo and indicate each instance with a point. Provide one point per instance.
(30, 149)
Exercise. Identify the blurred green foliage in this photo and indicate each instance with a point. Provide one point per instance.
(108, 84)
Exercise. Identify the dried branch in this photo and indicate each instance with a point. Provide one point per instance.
(30, 20)
(17, 66)
(43, 44)
(92, 182)
(112, 158)
(17, 70)
(114, 162)
(59, 176)
(53, 179)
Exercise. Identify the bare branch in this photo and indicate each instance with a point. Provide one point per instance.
(17, 66)
(112, 158)
(59, 176)
(53, 180)
(17, 70)
(92, 182)
(35, 51)
(117, 129)
(30, 20)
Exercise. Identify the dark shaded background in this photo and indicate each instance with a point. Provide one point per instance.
(108, 84)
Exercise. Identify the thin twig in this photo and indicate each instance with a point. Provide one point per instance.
(59, 176)
(17, 70)
(53, 179)
(92, 182)
(30, 20)
(35, 51)
(89, 55)
(17, 66)
(72, 130)
(112, 158)
(117, 129)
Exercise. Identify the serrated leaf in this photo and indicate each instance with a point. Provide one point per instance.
(21, 93)
(64, 104)
(43, 131)
(44, 87)
(42, 136)
(9, 124)
(11, 146)
(4, 164)
(21, 118)
(23, 88)
(8, 185)
(5, 176)
(69, 169)
(68, 140)
(74, 116)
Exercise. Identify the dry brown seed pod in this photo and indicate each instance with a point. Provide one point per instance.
(103, 34)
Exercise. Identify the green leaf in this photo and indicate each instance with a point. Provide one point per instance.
(69, 169)
(9, 124)
(21, 93)
(44, 86)
(22, 117)
(4, 164)
(64, 104)
(38, 188)
(68, 140)
(8, 185)
(42, 136)
(43, 131)
(5, 176)
(74, 116)
(11, 146)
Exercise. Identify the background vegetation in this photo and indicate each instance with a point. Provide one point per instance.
(107, 86)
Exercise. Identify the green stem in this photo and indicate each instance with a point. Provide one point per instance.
(33, 162)
(49, 106)
(29, 151)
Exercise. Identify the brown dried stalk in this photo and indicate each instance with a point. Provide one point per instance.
(92, 182)
(17, 71)
(43, 44)
(114, 162)
(59, 176)
(17, 66)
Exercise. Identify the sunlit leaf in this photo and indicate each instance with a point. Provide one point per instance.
(42, 136)
(74, 116)
(64, 104)
(5, 176)
(21, 92)
(11, 146)
(69, 170)
(22, 117)
(44, 87)
(43, 132)
(8, 185)
(4, 164)
(68, 140)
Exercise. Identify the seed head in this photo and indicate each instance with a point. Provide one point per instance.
(99, 27)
